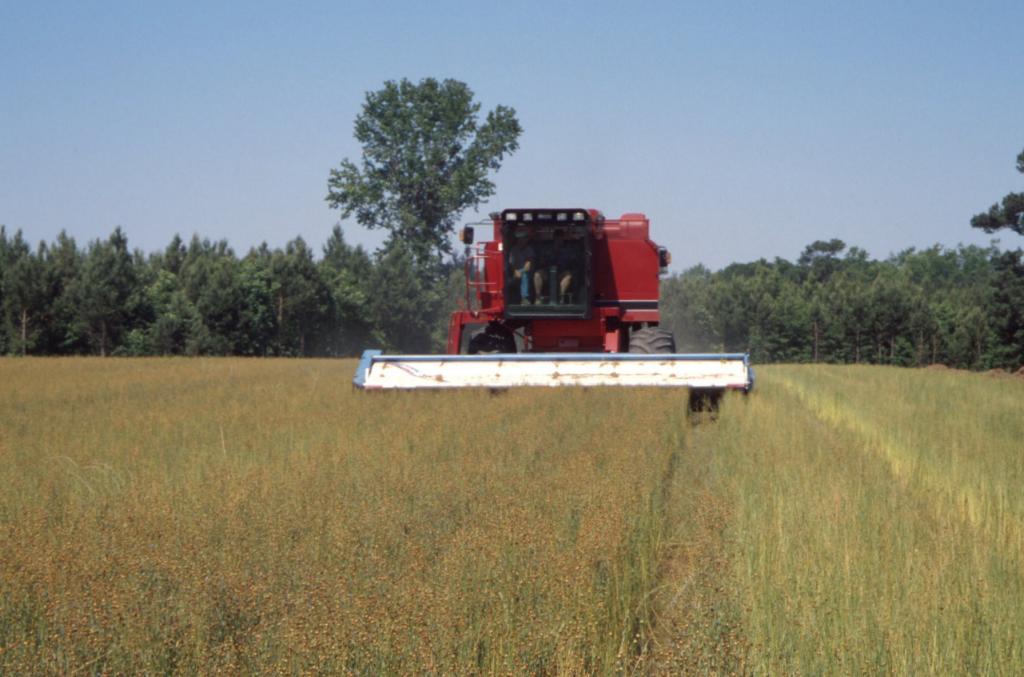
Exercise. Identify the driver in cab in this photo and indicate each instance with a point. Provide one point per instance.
(521, 259)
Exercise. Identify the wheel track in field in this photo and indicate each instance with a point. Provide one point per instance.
(698, 626)
(992, 516)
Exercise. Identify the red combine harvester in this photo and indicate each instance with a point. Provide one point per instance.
(561, 297)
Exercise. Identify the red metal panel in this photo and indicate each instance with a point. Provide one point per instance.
(567, 335)
(455, 325)
(625, 261)
(641, 316)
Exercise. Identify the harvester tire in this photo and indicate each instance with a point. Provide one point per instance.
(488, 343)
(652, 341)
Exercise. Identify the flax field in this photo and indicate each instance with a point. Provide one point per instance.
(260, 516)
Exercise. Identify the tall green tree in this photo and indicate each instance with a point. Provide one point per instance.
(209, 276)
(24, 293)
(175, 322)
(174, 256)
(426, 158)
(103, 291)
(820, 259)
(257, 318)
(849, 295)
(783, 337)
(301, 299)
(61, 333)
(347, 271)
(1009, 214)
(405, 302)
(1007, 314)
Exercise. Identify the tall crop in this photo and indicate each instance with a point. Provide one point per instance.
(261, 516)
(877, 521)
(192, 516)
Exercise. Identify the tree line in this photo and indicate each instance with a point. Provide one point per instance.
(200, 298)
(963, 307)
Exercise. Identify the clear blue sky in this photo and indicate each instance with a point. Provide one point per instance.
(742, 129)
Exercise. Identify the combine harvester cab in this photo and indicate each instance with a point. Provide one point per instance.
(561, 297)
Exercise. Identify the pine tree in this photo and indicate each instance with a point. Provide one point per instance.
(102, 291)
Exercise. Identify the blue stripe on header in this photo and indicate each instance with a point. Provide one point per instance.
(376, 356)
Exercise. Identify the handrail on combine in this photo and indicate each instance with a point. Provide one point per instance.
(477, 282)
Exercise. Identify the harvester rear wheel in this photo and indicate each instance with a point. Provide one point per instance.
(652, 340)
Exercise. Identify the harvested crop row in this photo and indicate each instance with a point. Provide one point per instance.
(853, 547)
